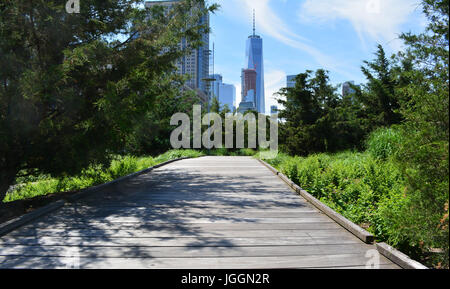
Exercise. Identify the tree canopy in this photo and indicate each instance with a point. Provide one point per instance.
(74, 87)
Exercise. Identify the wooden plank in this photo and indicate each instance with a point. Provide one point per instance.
(13, 224)
(159, 214)
(313, 261)
(182, 220)
(92, 190)
(216, 197)
(168, 242)
(188, 210)
(191, 227)
(139, 233)
(398, 257)
(182, 252)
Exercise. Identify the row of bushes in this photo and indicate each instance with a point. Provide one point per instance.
(93, 175)
(369, 188)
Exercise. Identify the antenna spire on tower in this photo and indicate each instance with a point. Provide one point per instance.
(254, 24)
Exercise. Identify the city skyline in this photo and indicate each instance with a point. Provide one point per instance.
(300, 35)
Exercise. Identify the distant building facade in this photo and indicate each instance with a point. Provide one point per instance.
(290, 80)
(215, 84)
(347, 88)
(253, 74)
(249, 83)
(245, 106)
(227, 96)
(254, 54)
(225, 93)
(196, 64)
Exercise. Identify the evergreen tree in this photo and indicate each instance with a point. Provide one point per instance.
(71, 93)
(379, 99)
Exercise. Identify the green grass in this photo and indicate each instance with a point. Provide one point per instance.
(94, 175)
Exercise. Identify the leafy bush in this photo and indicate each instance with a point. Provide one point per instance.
(384, 142)
(366, 190)
(123, 166)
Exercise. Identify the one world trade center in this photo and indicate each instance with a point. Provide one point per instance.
(254, 60)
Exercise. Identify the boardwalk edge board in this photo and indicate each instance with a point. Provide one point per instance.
(398, 257)
(91, 190)
(384, 249)
(362, 234)
(15, 223)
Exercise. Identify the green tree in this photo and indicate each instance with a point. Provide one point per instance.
(424, 156)
(315, 118)
(379, 98)
(71, 92)
(214, 106)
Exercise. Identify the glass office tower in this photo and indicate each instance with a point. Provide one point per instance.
(254, 60)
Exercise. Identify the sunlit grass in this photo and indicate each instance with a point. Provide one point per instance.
(94, 175)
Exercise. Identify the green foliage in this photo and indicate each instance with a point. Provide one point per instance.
(400, 187)
(316, 119)
(123, 166)
(230, 152)
(424, 156)
(379, 100)
(94, 175)
(366, 190)
(384, 143)
(73, 94)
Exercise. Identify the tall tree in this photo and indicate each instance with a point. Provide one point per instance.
(75, 86)
(308, 115)
(424, 156)
(379, 98)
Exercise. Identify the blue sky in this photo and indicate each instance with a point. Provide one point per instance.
(309, 34)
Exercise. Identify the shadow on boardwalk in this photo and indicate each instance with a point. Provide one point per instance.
(175, 212)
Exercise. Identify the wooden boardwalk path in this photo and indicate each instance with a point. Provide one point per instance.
(206, 213)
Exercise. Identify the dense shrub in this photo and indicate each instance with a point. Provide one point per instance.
(365, 189)
(384, 143)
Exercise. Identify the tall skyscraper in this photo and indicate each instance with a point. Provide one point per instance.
(255, 60)
(225, 93)
(227, 96)
(196, 64)
(215, 85)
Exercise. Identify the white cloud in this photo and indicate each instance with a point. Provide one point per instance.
(238, 93)
(274, 81)
(378, 20)
(270, 24)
